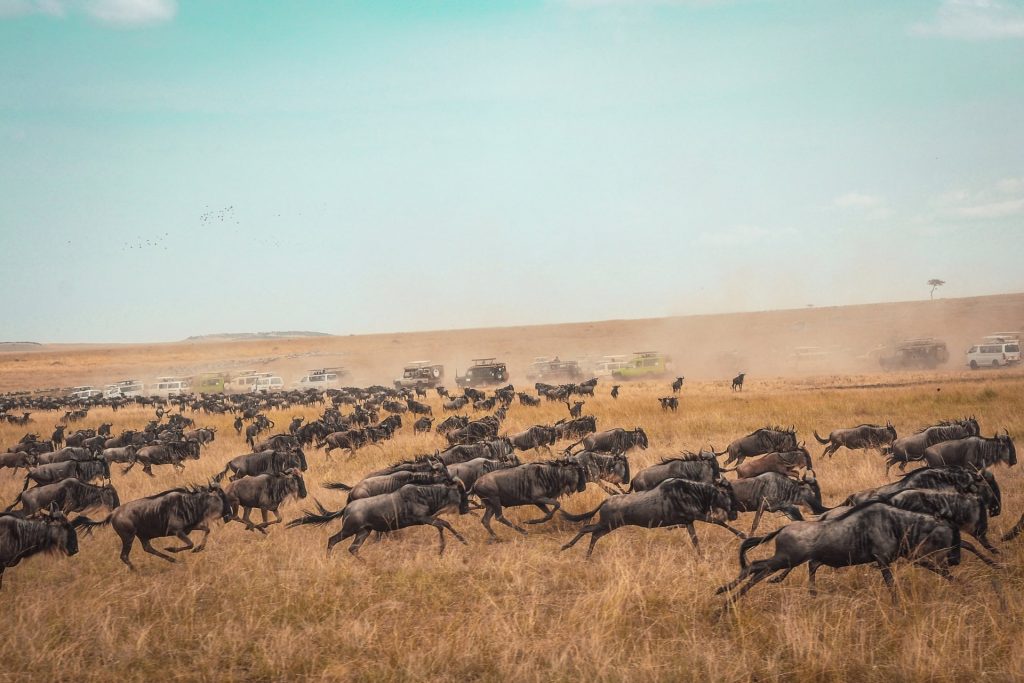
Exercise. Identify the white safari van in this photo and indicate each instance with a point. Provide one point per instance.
(170, 386)
(995, 350)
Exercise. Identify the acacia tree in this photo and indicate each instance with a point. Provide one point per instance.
(935, 283)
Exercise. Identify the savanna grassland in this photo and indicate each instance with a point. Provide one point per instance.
(275, 607)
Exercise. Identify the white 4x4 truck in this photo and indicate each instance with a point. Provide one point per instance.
(995, 350)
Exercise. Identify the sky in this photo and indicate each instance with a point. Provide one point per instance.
(173, 168)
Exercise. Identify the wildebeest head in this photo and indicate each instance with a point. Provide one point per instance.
(641, 438)
(302, 459)
(214, 502)
(620, 469)
(731, 502)
(1011, 451)
(811, 484)
(109, 497)
(463, 496)
(60, 532)
(300, 483)
(892, 430)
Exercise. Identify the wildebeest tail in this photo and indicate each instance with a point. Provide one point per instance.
(753, 542)
(220, 475)
(582, 517)
(819, 439)
(336, 485)
(16, 501)
(319, 518)
(87, 525)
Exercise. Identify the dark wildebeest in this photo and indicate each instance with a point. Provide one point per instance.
(537, 436)
(737, 381)
(82, 470)
(410, 505)
(759, 442)
(871, 533)
(21, 537)
(295, 424)
(911, 448)
(18, 460)
(124, 454)
(265, 492)
(57, 438)
(104, 429)
(278, 442)
(861, 437)
(380, 484)
(417, 408)
(69, 495)
(576, 429)
(238, 424)
(264, 462)
(575, 409)
(536, 483)
(774, 492)
(965, 511)
(203, 435)
(177, 512)
(350, 440)
(527, 400)
(677, 385)
(700, 467)
(939, 479)
(613, 441)
(454, 405)
(615, 390)
(783, 463)
(471, 470)
(673, 502)
(976, 451)
(601, 468)
(422, 425)
(173, 453)
(64, 455)
(669, 403)
(452, 424)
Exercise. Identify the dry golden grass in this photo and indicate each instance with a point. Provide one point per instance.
(275, 607)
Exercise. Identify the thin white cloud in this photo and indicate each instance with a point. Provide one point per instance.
(1013, 207)
(1003, 199)
(858, 200)
(974, 20)
(123, 13)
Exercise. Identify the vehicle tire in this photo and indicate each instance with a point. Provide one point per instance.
(974, 365)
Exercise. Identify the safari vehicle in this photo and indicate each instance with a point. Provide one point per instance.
(995, 350)
(420, 373)
(84, 393)
(484, 372)
(126, 388)
(609, 364)
(245, 383)
(269, 383)
(170, 386)
(644, 365)
(925, 353)
(211, 383)
(323, 378)
(544, 368)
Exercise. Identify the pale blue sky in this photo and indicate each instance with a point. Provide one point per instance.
(424, 165)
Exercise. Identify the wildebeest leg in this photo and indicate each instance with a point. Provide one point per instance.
(184, 539)
(693, 535)
(812, 571)
(486, 521)
(598, 533)
(757, 516)
(887, 577)
(206, 533)
(966, 545)
(983, 540)
(126, 548)
(744, 573)
(147, 546)
(278, 519)
(438, 522)
(1015, 531)
(588, 529)
(758, 576)
(548, 514)
(356, 544)
(498, 515)
(781, 577)
(735, 531)
(249, 526)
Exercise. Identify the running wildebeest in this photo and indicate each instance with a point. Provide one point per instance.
(471, 470)
(18, 460)
(124, 454)
(673, 502)
(422, 425)
(700, 467)
(601, 468)
(86, 471)
(951, 479)
(69, 495)
(537, 436)
(410, 505)
(737, 381)
(536, 483)
(173, 453)
(576, 429)
(265, 492)
(677, 385)
(871, 533)
(774, 492)
(238, 424)
(350, 440)
(613, 441)
(759, 442)
(910, 448)
(975, 451)
(277, 442)
(389, 483)
(22, 537)
(177, 512)
(784, 463)
(861, 437)
(451, 424)
(64, 455)
(264, 462)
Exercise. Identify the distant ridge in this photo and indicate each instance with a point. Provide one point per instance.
(242, 336)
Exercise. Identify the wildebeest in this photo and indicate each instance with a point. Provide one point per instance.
(18, 460)
(774, 492)
(537, 483)
(277, 442)
(410, 505)
(451, 424)
(615, 391)
(861, 437)
(669, 403)
(975, 451)
(870, 533)
(86, 471)
(673, 502)
(264, 462)
(537, 436)
(57, 438)
(951, 479)
(65, 454)
(296, 422)
(69, 495)
(381, 484)
(350, 440)
(417, 408)
(677, 385)
(527, 400)
(454, 405)
(700, 467)
(910, 448)
(124, 454)
(471, 470)
(173, 453)
(177, 512)
(575, 408)
(601, 468)
(265, 492)
(737, 381)
(784, 463)
(422, 425)
(22, 537)
(575, 429)
(614, 441)
(759, 442)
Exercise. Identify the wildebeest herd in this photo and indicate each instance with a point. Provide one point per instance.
(921, 517)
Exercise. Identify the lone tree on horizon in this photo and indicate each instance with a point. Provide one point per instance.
(935, 284)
